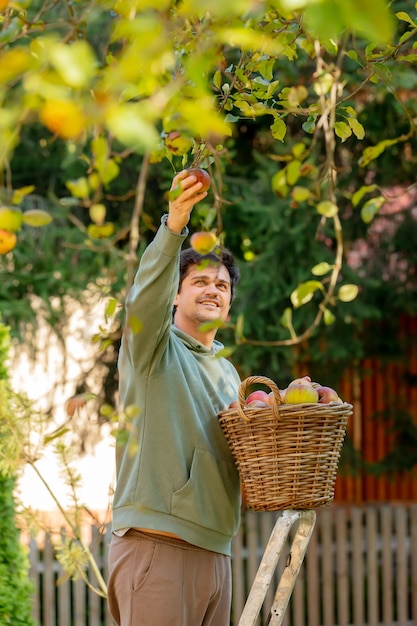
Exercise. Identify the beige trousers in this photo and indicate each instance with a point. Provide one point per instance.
(161, 581)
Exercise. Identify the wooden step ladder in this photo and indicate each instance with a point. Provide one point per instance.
(306, 520)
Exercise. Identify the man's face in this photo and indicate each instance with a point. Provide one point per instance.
(204, 296)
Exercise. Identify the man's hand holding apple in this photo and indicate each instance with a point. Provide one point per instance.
(181, 205)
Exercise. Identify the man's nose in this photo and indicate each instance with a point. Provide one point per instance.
(212, 289)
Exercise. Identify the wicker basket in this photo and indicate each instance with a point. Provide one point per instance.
(287, 454)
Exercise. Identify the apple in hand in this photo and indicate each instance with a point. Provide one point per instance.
(203, 242)
(327, 394)
(202, 177)
(300, 393)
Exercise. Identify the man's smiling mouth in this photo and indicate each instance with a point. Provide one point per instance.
(209, 303)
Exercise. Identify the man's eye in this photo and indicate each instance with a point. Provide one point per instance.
(222, 287)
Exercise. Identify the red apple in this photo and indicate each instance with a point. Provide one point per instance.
(202, 177)
(253, 404)
(203, 242)
(327, 394)
(300, 393)
(234, 404)
(258, 395)
(304, 380)
(271, 396)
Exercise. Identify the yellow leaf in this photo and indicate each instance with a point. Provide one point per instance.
(19, 194)
(132, 126)
(13, 63)
(37, 217)
(63, 117)
(10, 219)
(75, 63)
(100, 231)
(79, 187)
(97, 213)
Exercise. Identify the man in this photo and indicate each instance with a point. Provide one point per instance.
(177, 500)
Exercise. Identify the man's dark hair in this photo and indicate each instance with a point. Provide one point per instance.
(219, 255)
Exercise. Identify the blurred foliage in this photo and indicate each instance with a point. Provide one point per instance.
(15, 586)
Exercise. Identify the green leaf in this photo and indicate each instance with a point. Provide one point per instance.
(321, 268)
(327, 208)
(371, 208)
(357, 128)
(402, 15)
(75, 62)
(135, 324)
(217, 79)
(342, 130)
(239, 327)
(107, 410)
(373, 152)
(55, 435)
(300, 194)
(309, 126)
(286, 318)
(212, 325)
(348, 292)
(130, 123)
(358, 195)
(305, 292)
(328, 317)
(279, 184)
(278, 129)
(293, 171)
(225, 352)
(131, 411)
(111, 307)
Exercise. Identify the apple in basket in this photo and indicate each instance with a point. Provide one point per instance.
(327, 394)
(257, 398)
(301, 391)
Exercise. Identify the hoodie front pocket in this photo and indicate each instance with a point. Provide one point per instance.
(210, 498)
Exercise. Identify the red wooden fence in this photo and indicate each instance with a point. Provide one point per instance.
(377, 387)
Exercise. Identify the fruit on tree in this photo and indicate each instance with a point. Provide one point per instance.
(8, 241)
(327, 394)
(300, 393)
(202, 177)
(203, 241)
(10, 218)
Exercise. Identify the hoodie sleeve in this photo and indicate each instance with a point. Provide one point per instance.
(150, 300)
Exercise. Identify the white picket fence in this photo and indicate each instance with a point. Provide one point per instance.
(360, 570)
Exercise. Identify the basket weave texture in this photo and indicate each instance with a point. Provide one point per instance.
(287, 455)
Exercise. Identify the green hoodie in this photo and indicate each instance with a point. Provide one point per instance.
(175, 472)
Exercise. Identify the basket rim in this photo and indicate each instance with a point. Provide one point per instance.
(278, 408)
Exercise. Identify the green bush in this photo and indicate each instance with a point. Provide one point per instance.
(15, 586)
